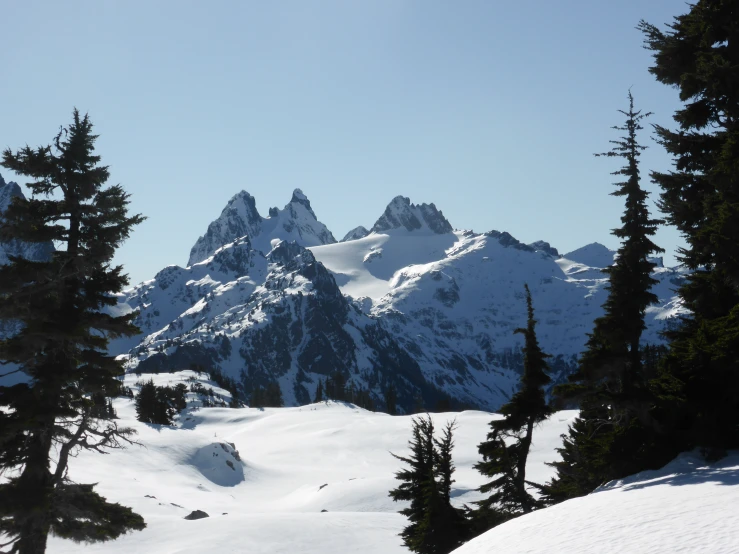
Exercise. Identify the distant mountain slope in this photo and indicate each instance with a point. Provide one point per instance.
(35, 252)
(410, 302)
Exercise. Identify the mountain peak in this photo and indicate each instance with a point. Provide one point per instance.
(240, 217)
(299, 198)
(400, 213)
(8, 191)
(593, 255)
(356, 233)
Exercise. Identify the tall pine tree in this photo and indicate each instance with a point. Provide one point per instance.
(612, 436)
(699, 382)
(59, 305)
(506, 449)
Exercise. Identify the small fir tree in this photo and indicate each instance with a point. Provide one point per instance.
(415, 479)
(506, 449)
(319, 392)
(435, 526)
(390, 394)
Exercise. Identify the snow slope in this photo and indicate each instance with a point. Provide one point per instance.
(292, 463)
(265, 477)
(687, 507)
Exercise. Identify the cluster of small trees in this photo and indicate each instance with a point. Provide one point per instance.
(223, 381)
(337, 388)
(435, 526)
(269, 396)
(156, 404)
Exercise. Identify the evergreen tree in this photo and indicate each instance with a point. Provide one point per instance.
(146, 402)
(505, 463)
(435, 527)
(273, 395)
(336, 387)
(223, 381)
(614, 435)
(415, 480)
(450, 525)
(178, 397)
(698, 386)
(163, 409)
(61, 344)
(257, 399)
(390, 394)
(319, 392)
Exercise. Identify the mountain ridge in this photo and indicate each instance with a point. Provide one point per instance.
(411, 303)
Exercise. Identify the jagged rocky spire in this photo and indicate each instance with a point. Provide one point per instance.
(240, 218)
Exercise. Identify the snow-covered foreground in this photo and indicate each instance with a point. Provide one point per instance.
(265, 477)
(294, 463)
(684, 507)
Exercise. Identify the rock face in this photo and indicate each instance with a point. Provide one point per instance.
(401, 214)
(544, 246)
(240, 218)
(29, 251)
(196, 514)
(414, 305)
(279, 317)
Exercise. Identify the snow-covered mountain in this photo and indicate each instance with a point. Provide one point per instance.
(295, 222)
(29, 251)
(410, 302)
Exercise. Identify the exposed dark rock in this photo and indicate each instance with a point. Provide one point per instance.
(197, 514)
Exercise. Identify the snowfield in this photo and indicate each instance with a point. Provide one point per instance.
(686, 506)
(265, 477)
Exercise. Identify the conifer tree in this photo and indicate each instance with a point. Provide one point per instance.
(390, 395)
(61, 342)
(435, 527)
(449, 524)
(146, 402)
(505, 462)
(416, 479)
(698, 386)
(257, 398)
(273, 395)
(319, 392)
(614, 435)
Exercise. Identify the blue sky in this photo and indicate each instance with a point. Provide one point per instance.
(490, 109)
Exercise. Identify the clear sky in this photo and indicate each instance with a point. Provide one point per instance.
(490, 109)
